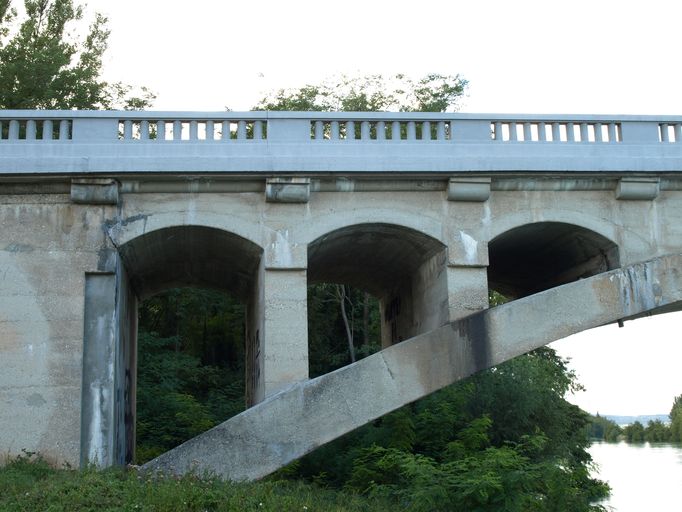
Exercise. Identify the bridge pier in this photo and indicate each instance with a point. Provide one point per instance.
(467, 290)
(284, 343)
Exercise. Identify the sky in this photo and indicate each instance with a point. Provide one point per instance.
(523, 56)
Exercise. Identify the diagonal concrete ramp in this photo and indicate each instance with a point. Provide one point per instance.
(297, 420)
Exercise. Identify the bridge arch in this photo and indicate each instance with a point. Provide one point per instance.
(128, 229)
(408, 219)
(152, 262)
(402, 267)
(190, 255)
(536, 256)
(509, 221)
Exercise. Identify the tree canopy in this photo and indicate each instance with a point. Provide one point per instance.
(44, 65)
(431, 93)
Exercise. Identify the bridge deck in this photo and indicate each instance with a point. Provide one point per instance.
(115, 142)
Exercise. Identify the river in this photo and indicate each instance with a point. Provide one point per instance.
(643, 477)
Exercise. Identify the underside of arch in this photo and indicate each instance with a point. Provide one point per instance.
(542, 255)
(402, 267)
(191, 256)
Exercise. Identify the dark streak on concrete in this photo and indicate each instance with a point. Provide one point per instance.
(106, 259)
(108, 224)
(19, 248)
(473, 329)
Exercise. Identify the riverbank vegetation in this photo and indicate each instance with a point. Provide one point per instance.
(656, 431)
(30, 484)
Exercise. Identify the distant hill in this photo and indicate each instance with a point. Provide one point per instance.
(644, 419)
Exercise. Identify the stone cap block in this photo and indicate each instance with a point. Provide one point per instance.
(94, 191)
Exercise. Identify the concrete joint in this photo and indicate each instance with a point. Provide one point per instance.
(638, 189)
(287, 190)
(469, 189)
(94, 191)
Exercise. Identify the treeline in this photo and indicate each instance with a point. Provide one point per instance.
(655, 431)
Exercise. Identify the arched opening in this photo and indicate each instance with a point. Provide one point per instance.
(403, 270)
(222, 268)
(539, 256)
(190, 366)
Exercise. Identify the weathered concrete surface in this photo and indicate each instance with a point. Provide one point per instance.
(47, 245)
(98, 422)
(297, 420)
(402, 237)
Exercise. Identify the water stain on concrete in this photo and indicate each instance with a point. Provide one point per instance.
(36, 400)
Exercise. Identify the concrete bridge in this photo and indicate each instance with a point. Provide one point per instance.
(579, 218)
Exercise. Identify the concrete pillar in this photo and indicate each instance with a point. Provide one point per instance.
(126, 368)
(467, 275)
(285, 328)
(109, 370)
(277, 345)
(467, 290)
(99, 361)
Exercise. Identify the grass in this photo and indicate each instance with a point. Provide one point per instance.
(30, 484)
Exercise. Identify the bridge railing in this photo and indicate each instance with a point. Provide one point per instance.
(318, 127)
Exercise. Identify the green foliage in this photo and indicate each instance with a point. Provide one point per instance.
(503, 440)
(44, 66)
(656, 432)
(431, 93)
(327, 338)
(191, 373)
(29, 484)
(634, 433)
(676, 420)
(603, 429)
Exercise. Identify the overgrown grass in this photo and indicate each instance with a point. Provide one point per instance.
(28, 483)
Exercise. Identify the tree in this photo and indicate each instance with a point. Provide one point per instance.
(43, 66)
(431, 93)
(656, 432)
(634, 433)
(676, 420)
(603, 429)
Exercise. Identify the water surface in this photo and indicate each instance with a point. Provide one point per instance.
(643, 477)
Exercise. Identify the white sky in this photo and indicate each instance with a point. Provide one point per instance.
(582, 56)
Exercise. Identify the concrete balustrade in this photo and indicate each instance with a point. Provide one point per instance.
(557, 131)
(54, 142)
